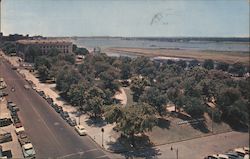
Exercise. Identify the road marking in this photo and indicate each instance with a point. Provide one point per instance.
(81, 153)
(102, 156)
(90, 150)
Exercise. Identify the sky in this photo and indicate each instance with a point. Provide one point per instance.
(128, 18)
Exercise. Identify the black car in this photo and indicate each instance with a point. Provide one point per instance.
(49, 100)
(3, 94)
(16, 119)
(59, 109)
(64, 115)
(41, 93)
(6, 137)
(13, 114)
(5, 122)
(71, 122)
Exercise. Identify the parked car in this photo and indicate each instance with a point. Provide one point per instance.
(23, 138)
(18, 125)
(241, 152)
(13, 114)
(5, 137)
(41, 93)
(26, 86)
(5, 122)
(233, 155)
(14, 68)
(59, 109)
(12, 107)
(28, 151)
(71, 121)
(16, 119)
(3, 94)
(217, 156)
(64, 115)
(49, 100)
(19, 130)
(80, 130)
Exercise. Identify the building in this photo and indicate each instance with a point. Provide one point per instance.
(45, 45)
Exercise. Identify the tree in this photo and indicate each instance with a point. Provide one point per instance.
(193, 63)
(237, 113)
(222, 66)
(95, 101)
(9, 47)
(181, 63)
(227, 96)
(194, 107)
(77, 94)
(43, 72)
(81, 51)
(238, 69)
(42, 61)
(114, 114)
(70, 58)
(53, 52)
(126, 71)
(134, 119)
(95, 106)
(65, 78)
(138, 85)
(108, 77)
(32, 52)
(208, 64)
(157, 99)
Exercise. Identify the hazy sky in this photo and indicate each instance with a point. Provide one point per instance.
(163, 18)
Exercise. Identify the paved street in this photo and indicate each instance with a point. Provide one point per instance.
(50, 135)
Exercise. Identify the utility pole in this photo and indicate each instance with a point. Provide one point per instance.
(212, 121)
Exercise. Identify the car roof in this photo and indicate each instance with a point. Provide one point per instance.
(81, 126)
(240, 150)
(221, 156)
(20, 129)
(28, 146)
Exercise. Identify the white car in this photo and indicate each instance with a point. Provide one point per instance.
(28, 151)
(18, 130)
(80, 130)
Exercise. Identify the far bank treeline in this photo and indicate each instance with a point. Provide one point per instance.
(91, 86)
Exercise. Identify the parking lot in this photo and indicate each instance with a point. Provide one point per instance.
(11, 149)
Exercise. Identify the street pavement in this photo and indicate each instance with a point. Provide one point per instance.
(49, 133)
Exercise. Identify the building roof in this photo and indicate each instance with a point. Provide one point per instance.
(44, 41)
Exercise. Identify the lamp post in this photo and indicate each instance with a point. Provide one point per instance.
(102, 135)
(212, 121)
(176, 150)
(79, 113)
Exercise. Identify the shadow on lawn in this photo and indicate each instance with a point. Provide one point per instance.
(163, 123)
(97, 122)
(143, 147)
(196, 123)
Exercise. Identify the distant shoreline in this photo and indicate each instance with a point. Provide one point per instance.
(173, 39)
